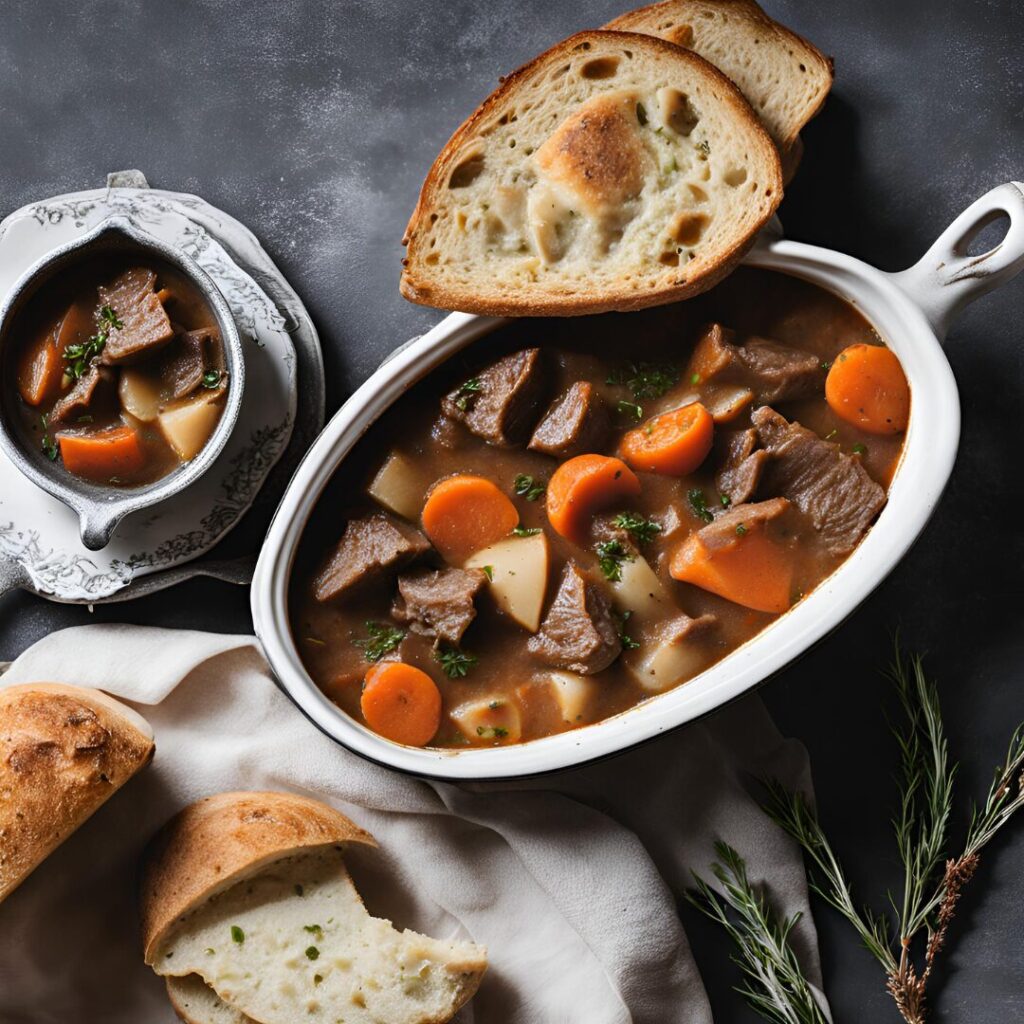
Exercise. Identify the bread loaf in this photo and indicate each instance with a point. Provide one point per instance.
(64, 751)
(249, 912)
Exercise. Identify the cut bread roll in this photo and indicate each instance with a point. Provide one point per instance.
(64, 751)
(248, 911)
(615, 171)
(785, 78)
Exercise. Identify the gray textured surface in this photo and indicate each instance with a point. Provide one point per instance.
(314, 123)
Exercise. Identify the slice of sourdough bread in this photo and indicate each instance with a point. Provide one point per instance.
(615, 171)
(64, 751)
(278, 956)
(249, 913)
(785, 78)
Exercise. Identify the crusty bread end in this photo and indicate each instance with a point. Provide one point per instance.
(64, 751)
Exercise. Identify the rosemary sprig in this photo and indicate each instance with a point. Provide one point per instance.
(775, 985)
(933, 882)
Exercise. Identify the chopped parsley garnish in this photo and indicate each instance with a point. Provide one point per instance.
(466, 391)
(50, 448)
(382, 639)
(455, 663)
(642, 530)
(725, 500)
(79, 357)
(495, 704)
(860, 449)
(528, 487)
(832, 433)
(314, 929)
(488, 571)
(212, 379)
(628, 643)
(237, 935)
(694, 378)
(646, 380)
(631, 409)
(494, 731)
(826, 365)
(209, 951)
(699, 504)
(525, 531)
(610, 556)
(312, 953)
(641, 114)
(741, 530)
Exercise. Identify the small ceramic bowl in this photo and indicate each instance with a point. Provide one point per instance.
(100, 508)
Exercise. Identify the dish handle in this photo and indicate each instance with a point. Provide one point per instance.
(948, 276)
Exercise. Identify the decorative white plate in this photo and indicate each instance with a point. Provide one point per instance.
(39, 544)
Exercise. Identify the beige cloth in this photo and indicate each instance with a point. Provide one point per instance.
(571, 881)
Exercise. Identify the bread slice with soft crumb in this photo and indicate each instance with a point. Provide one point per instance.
(295, 940)
(614, 171)
(249, 914)
(785, 77)
(196, 1003)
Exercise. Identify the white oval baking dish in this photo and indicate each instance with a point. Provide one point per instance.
(912, 310)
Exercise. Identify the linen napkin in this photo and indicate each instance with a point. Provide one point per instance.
(571, 881)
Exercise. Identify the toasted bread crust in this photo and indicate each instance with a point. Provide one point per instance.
(646, 19)
(64, 751)
(419, 288)
(216, 841)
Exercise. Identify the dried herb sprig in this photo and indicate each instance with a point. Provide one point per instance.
(933, 882)
(775, 985)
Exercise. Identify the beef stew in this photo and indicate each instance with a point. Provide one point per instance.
(669, 513)
(120, 371)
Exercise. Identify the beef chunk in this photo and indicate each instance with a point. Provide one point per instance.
(576, 422)
(578, 632)
(832, 489)
(722, 531)
(95, 387)
(502, 408)
(369, 546)
(775, 372)
(438, 602)
(187, 359)
(146, 326)
(741, 472)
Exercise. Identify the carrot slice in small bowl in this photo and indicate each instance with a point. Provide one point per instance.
(866, 386)
(583, 486)
(115, 452)
(401, 703)
(674, 443)
(754, 571)
(466, 513)
(40, 370)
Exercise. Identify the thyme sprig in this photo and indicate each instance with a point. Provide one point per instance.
(775, 985)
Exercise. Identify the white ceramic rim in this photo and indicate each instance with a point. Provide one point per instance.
(911, 311)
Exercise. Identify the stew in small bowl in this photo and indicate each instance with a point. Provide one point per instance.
(122, 374)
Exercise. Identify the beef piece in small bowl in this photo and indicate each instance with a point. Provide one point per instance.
(122, 374)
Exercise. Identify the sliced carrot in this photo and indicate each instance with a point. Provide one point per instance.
(754, 571)
(401, 702)
(466, 513)
(78, 324)
(115, 452)
(40, 369)
(583, 486)
(866, 386)
(675, 442)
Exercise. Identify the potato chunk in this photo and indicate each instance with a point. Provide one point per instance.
(517, 571)
(494, 719)
(398, 487)
(188, 426)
